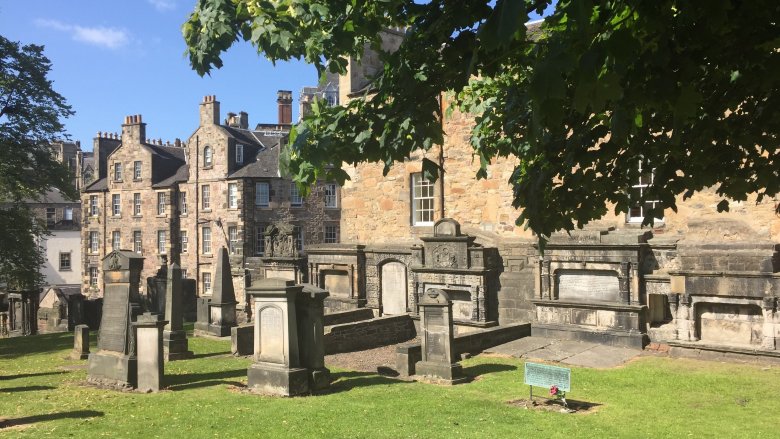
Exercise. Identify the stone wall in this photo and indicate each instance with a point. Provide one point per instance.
(368, 334)
(516, 282)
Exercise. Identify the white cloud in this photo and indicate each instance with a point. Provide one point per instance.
(102, 36)
(163, 5)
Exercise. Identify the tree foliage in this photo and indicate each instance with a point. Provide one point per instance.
(30, 114)
(689, 89)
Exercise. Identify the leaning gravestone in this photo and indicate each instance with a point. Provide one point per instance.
(80, 343)
(437, 340)
(277, 368)
(114, 363)
(149, 334)
(223, 299)
(175, 344)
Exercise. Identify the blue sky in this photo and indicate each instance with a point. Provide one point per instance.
(116, 58)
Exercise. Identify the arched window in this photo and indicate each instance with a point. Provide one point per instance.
(208, 157)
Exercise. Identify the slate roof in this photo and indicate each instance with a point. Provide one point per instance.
(100, 184)
(263, 163)
(52, 196)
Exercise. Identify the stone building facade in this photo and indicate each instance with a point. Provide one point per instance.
(697, 279)
(183, 201)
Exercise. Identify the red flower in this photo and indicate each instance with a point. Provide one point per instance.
(554, 390)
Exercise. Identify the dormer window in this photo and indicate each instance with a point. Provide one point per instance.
(208, 157)
(239, 154)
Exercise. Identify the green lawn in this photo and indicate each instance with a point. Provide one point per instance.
(43, 394)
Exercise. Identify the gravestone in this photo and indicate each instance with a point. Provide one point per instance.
(223, 300)
(149, 336)
(310, 308)
(277, 367)
(156, 289)
(175, 343)
(202, 315)
(438, 352)
(242, 340)
(80, 343)
(22, 313)
(115, 361)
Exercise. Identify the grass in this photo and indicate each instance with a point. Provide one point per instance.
(43, 394)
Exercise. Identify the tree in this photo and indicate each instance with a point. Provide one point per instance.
(688, 89)
(30, 113)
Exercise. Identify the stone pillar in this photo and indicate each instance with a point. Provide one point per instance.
(624, 279)
(175, 344)
(80, 343)
(545, 279)
(149, 338)
(481, 301)
(768, 336)
(277, 367)
(686, 323)
(474, 304)
(438, 351)
(310, 307)
(223, 300)
(673, 305)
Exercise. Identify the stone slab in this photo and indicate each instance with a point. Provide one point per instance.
(519, 348)
(277, 380)
(602, 357)
(560, 350)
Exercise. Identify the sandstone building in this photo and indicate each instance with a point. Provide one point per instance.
(183, 201)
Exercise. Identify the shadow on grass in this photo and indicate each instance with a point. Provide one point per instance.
(29, 375)
(482, 369)
(346, 381)
(195, 380)
(79, 414)
(25, 389)
(16, 347)
(209, 383)
(209, 354)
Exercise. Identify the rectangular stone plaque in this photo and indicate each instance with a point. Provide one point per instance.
(542, 375)
(271, 335)
(117, 276)
(113, 324)
(596, 285)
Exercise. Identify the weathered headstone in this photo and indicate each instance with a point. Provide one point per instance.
(203, 315)
(149, 335)
(115, 361)
(242, 340)
(223, 299)
(438, 352)
(80, 343)
(310, 308)
(277, 368)
(175, 343)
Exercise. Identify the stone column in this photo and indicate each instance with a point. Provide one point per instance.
(80, 343)
(545, 279)
(673, 305)
(768, 336)
(149, 340)
(438, 350)
(175, 344)
(481, 299)
(223, 300)
(474, 304)
(686, 329)
(624, 279)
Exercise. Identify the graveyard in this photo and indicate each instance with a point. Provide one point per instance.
(43, 392)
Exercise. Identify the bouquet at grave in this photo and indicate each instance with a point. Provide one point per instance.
(558, 394)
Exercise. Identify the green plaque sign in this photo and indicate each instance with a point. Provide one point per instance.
(542, 375)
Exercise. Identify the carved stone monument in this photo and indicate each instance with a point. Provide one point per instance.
(149, 336)
(80, 343)
(22, 313)
(202, 315)
(175, 343)
(115, 361)
(223, 300)
(277, 364)
(311, 335)
(281, 258)
(438, 352)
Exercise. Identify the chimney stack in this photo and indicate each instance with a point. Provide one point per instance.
(209, 111)
(134, 129)
(284, 100)
(230, 120)
(243, 120)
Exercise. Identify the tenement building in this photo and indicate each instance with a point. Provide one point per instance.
(697, 280)
(183, 202)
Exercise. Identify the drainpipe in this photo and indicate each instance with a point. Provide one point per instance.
(441, 160)
(197, 212)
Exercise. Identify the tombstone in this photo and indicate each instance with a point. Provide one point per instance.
(242, 340)
(149, 336)
(22, 313)
(61, 307)
(202, 315)
(80, 343)
(156, 290)
(223, 300)
(175, 343)
(277, 364)
(114, 364)
(310, 308)
(394, 295)
(438, 351)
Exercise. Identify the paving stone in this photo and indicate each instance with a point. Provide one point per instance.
(518, 348)
(601, 356)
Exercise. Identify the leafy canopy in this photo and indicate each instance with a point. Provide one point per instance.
(581, 100)
(30, 113)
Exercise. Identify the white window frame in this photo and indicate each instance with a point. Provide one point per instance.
(331, 233)
(422, 200)
(137, 170)
(206, 240)
(232, 196)
(93, 276)
(233, 240)
(67, 214)
(162, 242)
(262, 194)
(69, 260)
(116, 204)
(331, 195)
(137, 204)
(138, 243)
(296, 200)
(260, 240)
(162, 201)
(208, 157)
(183, 203)
(94, 245)
(298, 238)
(184, 240)
(93, 205)
(117, 171)
(51, 216)
(116, 240)
(206, 279)
(239, 154)
(205, 197)
(640, 187)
